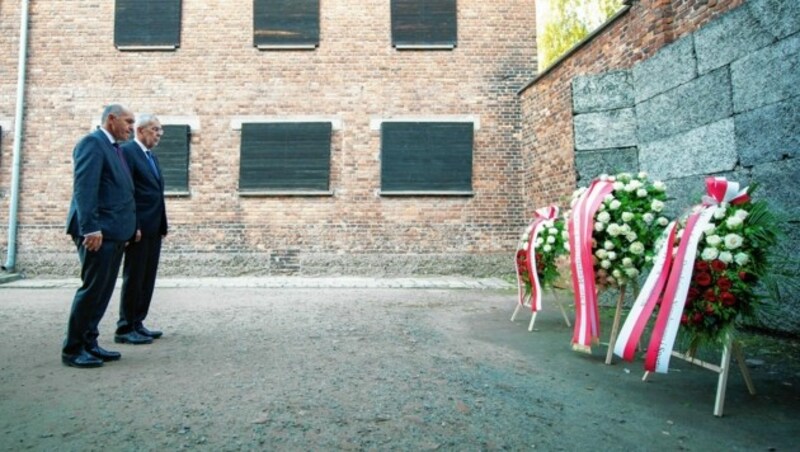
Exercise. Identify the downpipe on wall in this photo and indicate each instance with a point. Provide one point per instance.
(11, 259)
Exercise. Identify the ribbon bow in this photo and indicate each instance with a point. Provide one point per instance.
(721, 190)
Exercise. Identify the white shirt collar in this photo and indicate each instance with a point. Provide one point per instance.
(108, 135)
(144, 148)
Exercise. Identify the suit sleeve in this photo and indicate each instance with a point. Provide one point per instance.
(88, 167)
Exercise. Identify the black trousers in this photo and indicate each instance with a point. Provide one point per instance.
(99, 271)
(138, 280)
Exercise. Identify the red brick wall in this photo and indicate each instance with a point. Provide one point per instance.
(548, 149)
(217, 74)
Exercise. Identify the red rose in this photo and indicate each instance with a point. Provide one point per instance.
(718, 265)
(709, 309)
(728, 299)
(684, 319)
(724, 284)
(697, 317)
(702, 279)
(701, 266)
(709, 295)
(693, 294)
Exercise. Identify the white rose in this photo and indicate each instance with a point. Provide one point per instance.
(642, 175)
(733, 241)
(630, 187)
(604, 217)
(552, 230)
(656, 205)
(641, 193)
(627, 262)
(741, 214)
(662, 221)
(524, 246)
(547, 224)
(624, 177)
(603, 176)
(719, 213)
(619, 186)
(741, 258)
(565, 234)
(601, 253)
(637, 248)
(726, 256)
(625, 228)
(612, 256)
(648, 217)
(631, 272)
(733, 222)
(627, 216)
(551, 239)
(616, 273)
(648, 258)
(609, 245)
(709, 254)
(615, 204)
(598, 226)
(709, 229)
(547, 248)
(605, 264)
(566, 246)
(631, 236)
(608, 198)
(613, 229)
(713, 240)
(659, 186)
(539, 242)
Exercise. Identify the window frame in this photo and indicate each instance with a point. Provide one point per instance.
(311, 43)
(425, 43)
(167, 44)
(379, 124)
(244, 123)
(165, 163)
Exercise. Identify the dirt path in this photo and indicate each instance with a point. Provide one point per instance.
(358, 369)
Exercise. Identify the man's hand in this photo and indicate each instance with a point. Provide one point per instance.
(93, 242)
(138, 235)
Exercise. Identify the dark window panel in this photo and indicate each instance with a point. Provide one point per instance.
(285, 22)
(285, 156)
(424, 22)
(173, 156)
(425, 156)
(147, 23)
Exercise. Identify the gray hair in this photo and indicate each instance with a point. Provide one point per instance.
(113, 109)
(145, 119)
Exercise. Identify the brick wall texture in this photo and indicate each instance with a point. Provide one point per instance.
(547, 128)
(216, 75)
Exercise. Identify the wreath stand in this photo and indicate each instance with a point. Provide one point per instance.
(527, 303)
(731, 347)
(612, 340)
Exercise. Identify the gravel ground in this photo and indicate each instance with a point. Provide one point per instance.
(260, 368)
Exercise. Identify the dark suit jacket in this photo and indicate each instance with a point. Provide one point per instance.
(102, 191)
(151, 214)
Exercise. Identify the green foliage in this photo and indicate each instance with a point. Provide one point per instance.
(569, 22)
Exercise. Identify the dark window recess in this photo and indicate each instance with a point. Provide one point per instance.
(173, 157)
(147, 23)
(285, 23)
(426, 156)
(285, 156)
(421, 23)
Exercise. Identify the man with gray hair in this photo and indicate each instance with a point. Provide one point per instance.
(142, 255)
(101, 220)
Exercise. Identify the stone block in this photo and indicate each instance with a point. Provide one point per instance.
(729, 38)
(769, 133)
(781, 18)
(671, 66)
(767, 76)
(705, 150)
(608, 91)
(779, 185)
(685, 192)
(603, 130)
(590, 164)
(701, 101)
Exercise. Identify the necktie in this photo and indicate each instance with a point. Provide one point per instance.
(121, 157)
(151, 162)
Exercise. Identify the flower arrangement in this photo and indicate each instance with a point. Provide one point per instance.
(549, 245)
(732, 256)
(625, 227)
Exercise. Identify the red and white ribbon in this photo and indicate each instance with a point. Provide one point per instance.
(670, 280)
(541, 217)
(581, 225)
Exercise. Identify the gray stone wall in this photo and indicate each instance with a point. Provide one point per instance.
(725, 101)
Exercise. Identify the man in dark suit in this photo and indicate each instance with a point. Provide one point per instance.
(142, 255)
(101, 220)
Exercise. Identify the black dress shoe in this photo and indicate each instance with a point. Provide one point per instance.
(155, 334)
(104, 355)
(132, 338)
(82, 360)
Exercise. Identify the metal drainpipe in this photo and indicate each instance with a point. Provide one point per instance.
(11, 260)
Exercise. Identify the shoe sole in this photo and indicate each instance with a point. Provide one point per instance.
(82, 366)
(125, 341)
